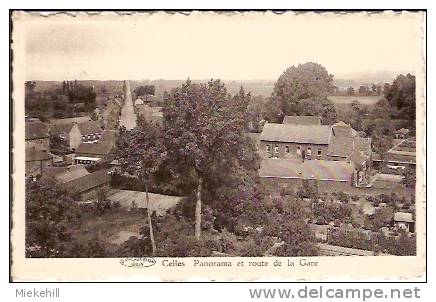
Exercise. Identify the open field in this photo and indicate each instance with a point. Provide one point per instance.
(110, 226)
(345, 99)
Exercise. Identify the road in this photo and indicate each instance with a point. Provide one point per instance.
(128, 116)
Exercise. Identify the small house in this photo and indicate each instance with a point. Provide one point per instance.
(404, 221)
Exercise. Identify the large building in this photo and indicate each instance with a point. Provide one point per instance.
(305, 139)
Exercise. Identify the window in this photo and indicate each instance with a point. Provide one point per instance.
(268, 148)
(276, 151)
(319, 152)
(309, 151)
(299, 150)
(287, 149)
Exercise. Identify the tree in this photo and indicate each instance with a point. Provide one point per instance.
(321, 107)
(202, 123)
(409, 177)
(402, 96)
(141, 152)
(50, 215)
(306, 81)
(350, 90)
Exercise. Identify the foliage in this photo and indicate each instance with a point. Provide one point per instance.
(58, 145)
(50, 213)
(409, 175)
(401, 95)
(327, 212)
(144, 90)
(309, 81)
(204, 129)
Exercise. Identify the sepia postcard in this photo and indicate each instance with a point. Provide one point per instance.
(218, 146)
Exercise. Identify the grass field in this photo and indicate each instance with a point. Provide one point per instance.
(110, 226)
(364, 100)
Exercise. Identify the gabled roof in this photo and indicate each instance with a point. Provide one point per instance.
(309, 169)
(33, 154)
(139, 101)
(89, 128)
(36, 130)
(302, 120)
(71, 173)
(342, 129)
(87, 182)
(305, 134)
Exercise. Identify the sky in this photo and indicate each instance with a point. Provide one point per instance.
(204, 45)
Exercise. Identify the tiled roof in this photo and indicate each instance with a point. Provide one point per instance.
(98, 148)
(309, 169)
(89, 128)
(302, 120)
(308, 134)
(71, 173)
(340, 146)
(61, 129)
(87, 182)
(33, 154)
(36, 129)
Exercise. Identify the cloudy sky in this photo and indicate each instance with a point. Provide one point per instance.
(249, 46)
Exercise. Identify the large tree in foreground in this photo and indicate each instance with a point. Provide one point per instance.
(202, 122)
(50, 215)
(141, 152)
(306, 81)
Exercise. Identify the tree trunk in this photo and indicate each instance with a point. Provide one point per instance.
(150, 226)
(198, 211)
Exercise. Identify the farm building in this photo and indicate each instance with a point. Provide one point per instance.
(66, 174)
(86, 187)
(290, 173)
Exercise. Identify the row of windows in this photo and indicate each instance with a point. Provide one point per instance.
(287, 150)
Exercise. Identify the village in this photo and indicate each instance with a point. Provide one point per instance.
(351, 198)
